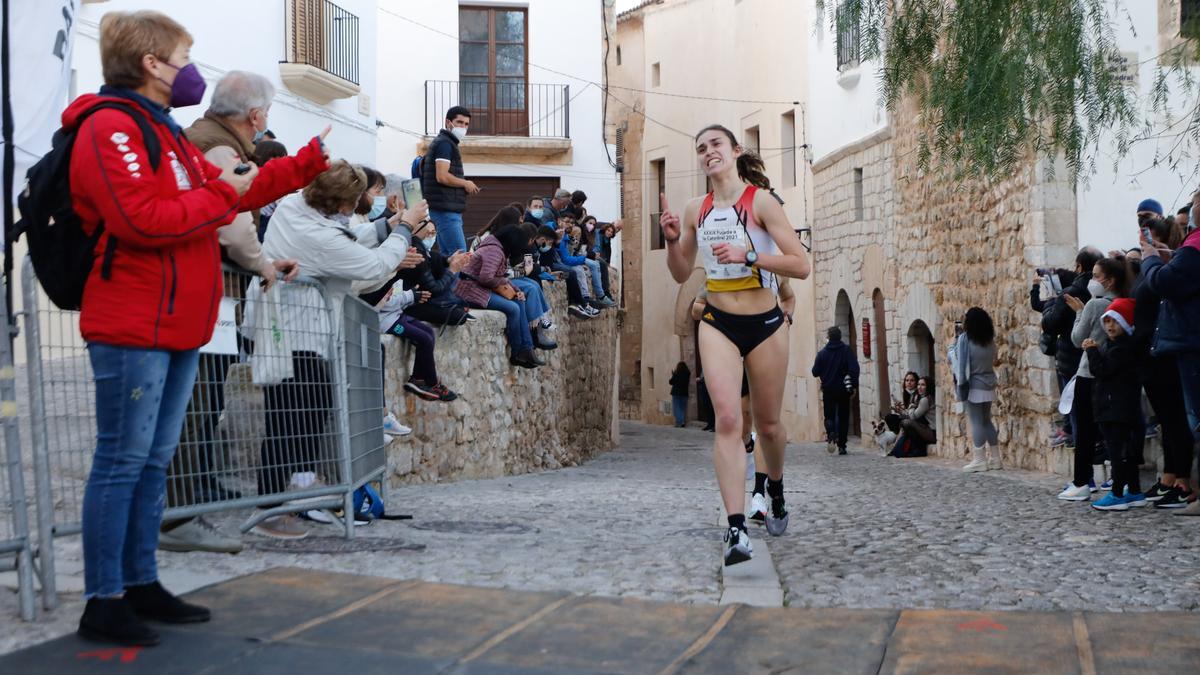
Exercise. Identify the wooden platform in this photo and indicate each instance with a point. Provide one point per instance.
(299, 621)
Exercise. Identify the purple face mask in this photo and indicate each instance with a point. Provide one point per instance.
(188, 87)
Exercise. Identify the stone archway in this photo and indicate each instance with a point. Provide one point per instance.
(919, 349)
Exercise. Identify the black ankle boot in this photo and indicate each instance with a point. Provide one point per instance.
(112, 620)
(152, 601)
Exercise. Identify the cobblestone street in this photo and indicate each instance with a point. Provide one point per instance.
(642, 521)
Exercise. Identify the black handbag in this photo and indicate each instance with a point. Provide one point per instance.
(1048, 344)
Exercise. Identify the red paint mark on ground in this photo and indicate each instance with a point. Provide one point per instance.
(123, 654)
(981, 626)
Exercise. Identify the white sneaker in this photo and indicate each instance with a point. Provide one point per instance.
(758, 509)
(978, 462)
(319, 516)
(1071, 493)
(392, 426)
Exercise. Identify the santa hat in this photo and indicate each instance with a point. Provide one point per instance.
(1121, 311)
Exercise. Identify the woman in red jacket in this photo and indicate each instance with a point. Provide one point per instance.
(150, 302)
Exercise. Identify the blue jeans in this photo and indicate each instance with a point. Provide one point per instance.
(679, 407)
(516, 325)
(1189, 373)
(449, 231)
(141, 398)
(593, 266)
(535, 302)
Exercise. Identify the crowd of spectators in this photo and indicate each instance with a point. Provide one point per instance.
(316, 232)
(1124, 329)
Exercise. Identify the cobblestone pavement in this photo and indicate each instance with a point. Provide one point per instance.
(641, 521)
(880, 532)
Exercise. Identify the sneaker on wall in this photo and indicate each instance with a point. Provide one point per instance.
(392, 426)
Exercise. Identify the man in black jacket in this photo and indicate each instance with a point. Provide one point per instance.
(443, 184)
(1058, 318)
(837, 367)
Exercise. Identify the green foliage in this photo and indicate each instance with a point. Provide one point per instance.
(997, 80)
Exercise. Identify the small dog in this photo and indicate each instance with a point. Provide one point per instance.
(884, 437)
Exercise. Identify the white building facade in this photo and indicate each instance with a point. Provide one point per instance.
(319, 55)
(532, 75)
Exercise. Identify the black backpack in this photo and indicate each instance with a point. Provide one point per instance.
(61, 252)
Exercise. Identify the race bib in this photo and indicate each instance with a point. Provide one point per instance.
(722, 230)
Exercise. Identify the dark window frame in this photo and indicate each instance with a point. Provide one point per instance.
(492, 77)
(848, 40)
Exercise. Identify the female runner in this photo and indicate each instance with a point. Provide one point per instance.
(744, 240)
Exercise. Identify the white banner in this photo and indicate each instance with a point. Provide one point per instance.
(42, 37)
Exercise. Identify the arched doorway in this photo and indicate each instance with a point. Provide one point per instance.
(881, 354)
(843, 318)
(920, 348)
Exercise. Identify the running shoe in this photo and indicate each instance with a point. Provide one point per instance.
(420, 388)
(1106, 486)
(1059, 438)
(578, 312)
(444, 393)
(546, 323)
(1175, 498)
(1135, 499)
(737, 546)
(830, 447)
(1157, 492)
(392, 427)
(777, 517)
(758, 509)
(1111, 502)
(591, 310)
(1071, 493)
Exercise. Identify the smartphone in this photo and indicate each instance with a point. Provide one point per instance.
(242, 169)
(412, 192)
(1146, 234)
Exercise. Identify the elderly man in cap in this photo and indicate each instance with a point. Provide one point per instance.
(236, 119)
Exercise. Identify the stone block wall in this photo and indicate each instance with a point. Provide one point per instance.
(976, 243)
(507, 420)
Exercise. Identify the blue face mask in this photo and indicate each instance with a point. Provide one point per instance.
(544, 248)
(429, 242)
(377, 207)
(537, 213)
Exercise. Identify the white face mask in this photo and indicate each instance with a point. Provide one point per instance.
(1095, 288)
(459, 132)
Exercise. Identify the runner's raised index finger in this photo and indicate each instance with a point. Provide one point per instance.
(662, 200)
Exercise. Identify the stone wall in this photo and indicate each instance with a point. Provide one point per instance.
(976, 243)
(933, 247)
(507, 420)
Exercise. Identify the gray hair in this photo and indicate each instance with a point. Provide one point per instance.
(239, 92)
(392, 185)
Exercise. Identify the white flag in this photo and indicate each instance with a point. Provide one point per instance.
(41, 36)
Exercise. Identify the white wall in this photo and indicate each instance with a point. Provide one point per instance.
(844, 106)
(1107, 203)
(249, 35)
(564, 35)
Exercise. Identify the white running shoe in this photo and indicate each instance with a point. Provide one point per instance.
(758, 509)
(1071, 493)
(392, 426)
(737, 546)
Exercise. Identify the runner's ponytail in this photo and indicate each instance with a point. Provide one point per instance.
(751, 169)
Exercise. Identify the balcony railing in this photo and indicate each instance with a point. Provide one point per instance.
(322, 35)
(505, 107)
(847, 40)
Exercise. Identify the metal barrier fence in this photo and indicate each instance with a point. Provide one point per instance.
(16, 547)
(293, 426)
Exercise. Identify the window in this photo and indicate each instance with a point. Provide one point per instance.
(787, 138)
(751, 140)
(655, 75)
(650, 376)
(325, 36)
(618, 55)
(493, 73)
(1189, 18)
(847, 38)
(658, 179)
(858, 194)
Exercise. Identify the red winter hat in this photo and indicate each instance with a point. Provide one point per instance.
(1121, 311)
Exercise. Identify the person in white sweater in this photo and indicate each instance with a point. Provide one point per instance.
(311, 228)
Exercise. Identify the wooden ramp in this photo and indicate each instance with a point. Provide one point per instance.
(293, 621)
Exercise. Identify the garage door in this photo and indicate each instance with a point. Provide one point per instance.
(498, 192)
